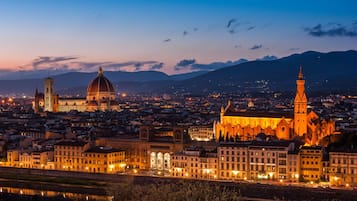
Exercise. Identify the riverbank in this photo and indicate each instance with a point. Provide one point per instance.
(129, 185)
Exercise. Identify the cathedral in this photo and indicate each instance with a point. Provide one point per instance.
(246, 125)
(100, 96)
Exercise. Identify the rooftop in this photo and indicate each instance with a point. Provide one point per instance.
(101, 149)
(71, 143)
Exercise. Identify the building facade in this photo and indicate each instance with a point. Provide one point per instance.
(84, 157)
(255, 160)
(195, 164)
(150, 151)
(201, 133)
(343, 168)
(311, 163)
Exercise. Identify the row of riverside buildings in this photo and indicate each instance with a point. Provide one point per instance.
(71, 155)
(258, 160)
(280, 161)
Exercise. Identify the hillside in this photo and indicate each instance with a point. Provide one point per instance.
(324, 72)
(332, 71)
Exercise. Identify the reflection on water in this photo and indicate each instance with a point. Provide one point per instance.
(74, 196)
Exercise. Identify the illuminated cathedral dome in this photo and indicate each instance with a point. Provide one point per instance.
(100, 89)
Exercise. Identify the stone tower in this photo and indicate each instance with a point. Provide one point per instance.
(48, 94)
(300, 106)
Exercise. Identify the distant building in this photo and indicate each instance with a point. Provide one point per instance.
(245, 125)
(201, 133)
(100, 96)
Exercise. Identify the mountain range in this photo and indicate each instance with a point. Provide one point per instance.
(330, 72)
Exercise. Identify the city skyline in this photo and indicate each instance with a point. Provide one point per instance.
(173, 37)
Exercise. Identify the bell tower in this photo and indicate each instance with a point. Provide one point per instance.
(300, 106)
(48, 94)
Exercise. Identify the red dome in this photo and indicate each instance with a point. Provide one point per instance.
(100, 84)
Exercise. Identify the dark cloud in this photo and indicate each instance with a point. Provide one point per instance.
(237, 46)
(167, 40)
(332, 30)
(250, 28)
(256, 47)
(294, 49)
(186, 62)
(230, 22)
(130, 65)
(208, 67)
(185, 33)
(267, 58)
(157, 66)
(233, 26)
(195, 29)
(138, 66)
(45, 60)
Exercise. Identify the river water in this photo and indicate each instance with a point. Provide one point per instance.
(31, 194)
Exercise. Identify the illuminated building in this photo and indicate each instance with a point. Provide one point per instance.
(293, 166)
(151, 150)
(84, 157)
(34, 159)
(255, 160)
(201, 133)
(100, 96)
(311, 163)
(13, 158)
(195, 164)
(245, 125)
(104, 160)
(68, 155)
(343, 167)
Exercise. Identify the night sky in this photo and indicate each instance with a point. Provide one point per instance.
(168, 36)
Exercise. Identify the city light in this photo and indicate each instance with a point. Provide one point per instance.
(109, 97)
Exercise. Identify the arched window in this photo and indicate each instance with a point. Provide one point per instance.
(153, 161)
(160, 161)
(166, 161)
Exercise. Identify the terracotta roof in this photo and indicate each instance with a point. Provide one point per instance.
(71, 143)
(270, 114)
(100, 84)
(102, 150)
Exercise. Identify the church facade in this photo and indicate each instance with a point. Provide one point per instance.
(246, 125)
(100, 96)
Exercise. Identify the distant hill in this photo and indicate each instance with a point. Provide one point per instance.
(78, 81)
(334, 71)
(327, 72)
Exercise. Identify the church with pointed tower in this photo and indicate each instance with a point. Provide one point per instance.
(246, 125)
(100, 96)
